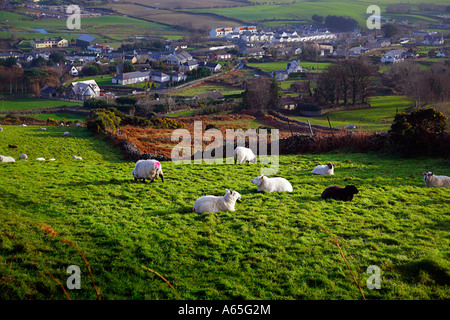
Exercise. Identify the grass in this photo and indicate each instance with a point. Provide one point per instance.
(378, 118)
(58, 116)
(192, 91)
(7, 105)
(279, 65)
(272, 247)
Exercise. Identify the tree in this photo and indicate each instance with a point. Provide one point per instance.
(390, 30)
(318, 19)
(127, 66)
(257, 94)
(275, 95)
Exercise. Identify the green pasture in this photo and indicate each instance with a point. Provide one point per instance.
(273, 247)
(7, 105)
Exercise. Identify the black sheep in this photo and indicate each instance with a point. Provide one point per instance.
(339, 193)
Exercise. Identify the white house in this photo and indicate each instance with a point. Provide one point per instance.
(73, 71)
(188, 66)
(131, 77)
(179, 58)
(178, 76)
(440, 54)
(160, 77)
(83, 90)
(214, 67)
(393, 56)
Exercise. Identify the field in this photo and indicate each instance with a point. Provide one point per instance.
(194, 90)
(7, 105)
(273, 247)
(280, 65)
(378, 118)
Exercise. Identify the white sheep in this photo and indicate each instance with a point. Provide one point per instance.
(242, 154)
(1, 128)
(42, 128)
(40, 159)
(216, 204)
(276, 184)
(23, 156)
(52, 159)
(79, 125)
(431, 180)
(77, 158)
(148, 169)
(66, 133)
(23, 125)
(324, 169)
(7, 159)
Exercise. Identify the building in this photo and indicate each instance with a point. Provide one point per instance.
(160, 77)
(433, 40)
(214, 67)
(83, 90)
(49, 92)
(220, 32)
(179, 58)
(394, 56)
(85, 41)
(178, 76)
(131, 77)
(188, 66)
(57, 42)
(73, 71)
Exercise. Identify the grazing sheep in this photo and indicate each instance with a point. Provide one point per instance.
(23, 125)
(431, 180)
(339, 193)
(216, 204)
(7, 159)
(52, 159)
(276, 184)
(242, 154)
(148, 169)
(42, 128)
(40, 159)
(1, 128)
(324, 169)
(23, 156)
(77, 158)
(66, 133)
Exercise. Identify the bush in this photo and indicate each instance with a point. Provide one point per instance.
(419, 132)
(308, 107)
(103, 121)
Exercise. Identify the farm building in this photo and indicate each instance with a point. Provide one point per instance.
(49, 92)
(83, 90)
(85, 41)
(131, 77)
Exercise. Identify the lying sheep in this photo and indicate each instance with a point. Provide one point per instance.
(79, 125)
(324, 169)
(276, 184)
(42, 128)
(40, 159)
(66, 133)
(148, 169)
(23, 156)
(431, 180)
(7, 159)
(23, 125)
(77, 158)
(216, 204)
(339, 193)
(242, 154)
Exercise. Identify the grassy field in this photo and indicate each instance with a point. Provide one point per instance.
(58, 116)
(273, 247)
(280, 65)
(192, 91)
(7, 105)
(378, 118)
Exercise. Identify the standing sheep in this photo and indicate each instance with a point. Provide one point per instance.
(7, 159)
(431, 180)
(242, 154)
(339, 193)
(324, 169)
(148, 169)
(66, 133)
(276, 184)
(216, 204)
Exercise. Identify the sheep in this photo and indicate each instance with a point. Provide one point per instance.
(242, 154)
(6, 159)
(1, 128)
(23, 156)
(276, 184)
(52, 159)
(340, 193)
(216, 204)
(325, 169)
(77, 158)
(42, 128)
(40, 159)
(432, 180)
(148, 169)
(66, 133)
(23, 125)
(79, 125)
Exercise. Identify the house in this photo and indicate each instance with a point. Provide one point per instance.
(188, 66)
(83, 57)
(49, 43)
(393, 56)
(73, 71)
(178, 76)
(254, 51)
(294, 66)
(233, 35)
(6, 55)
(433, 39)
(179, 58)
(49, 92)
(83, 90)
(131, 77)
(220, 32)
(130, 58)
(379, 43)
(214, 67)
(356, 51)
(243, 29)
(100, 48)
(440, 54)
(219, 55)
(85, 41)
(289, 103)
(158, 76)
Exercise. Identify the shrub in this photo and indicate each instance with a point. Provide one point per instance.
(102, 121)
(419, 132)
